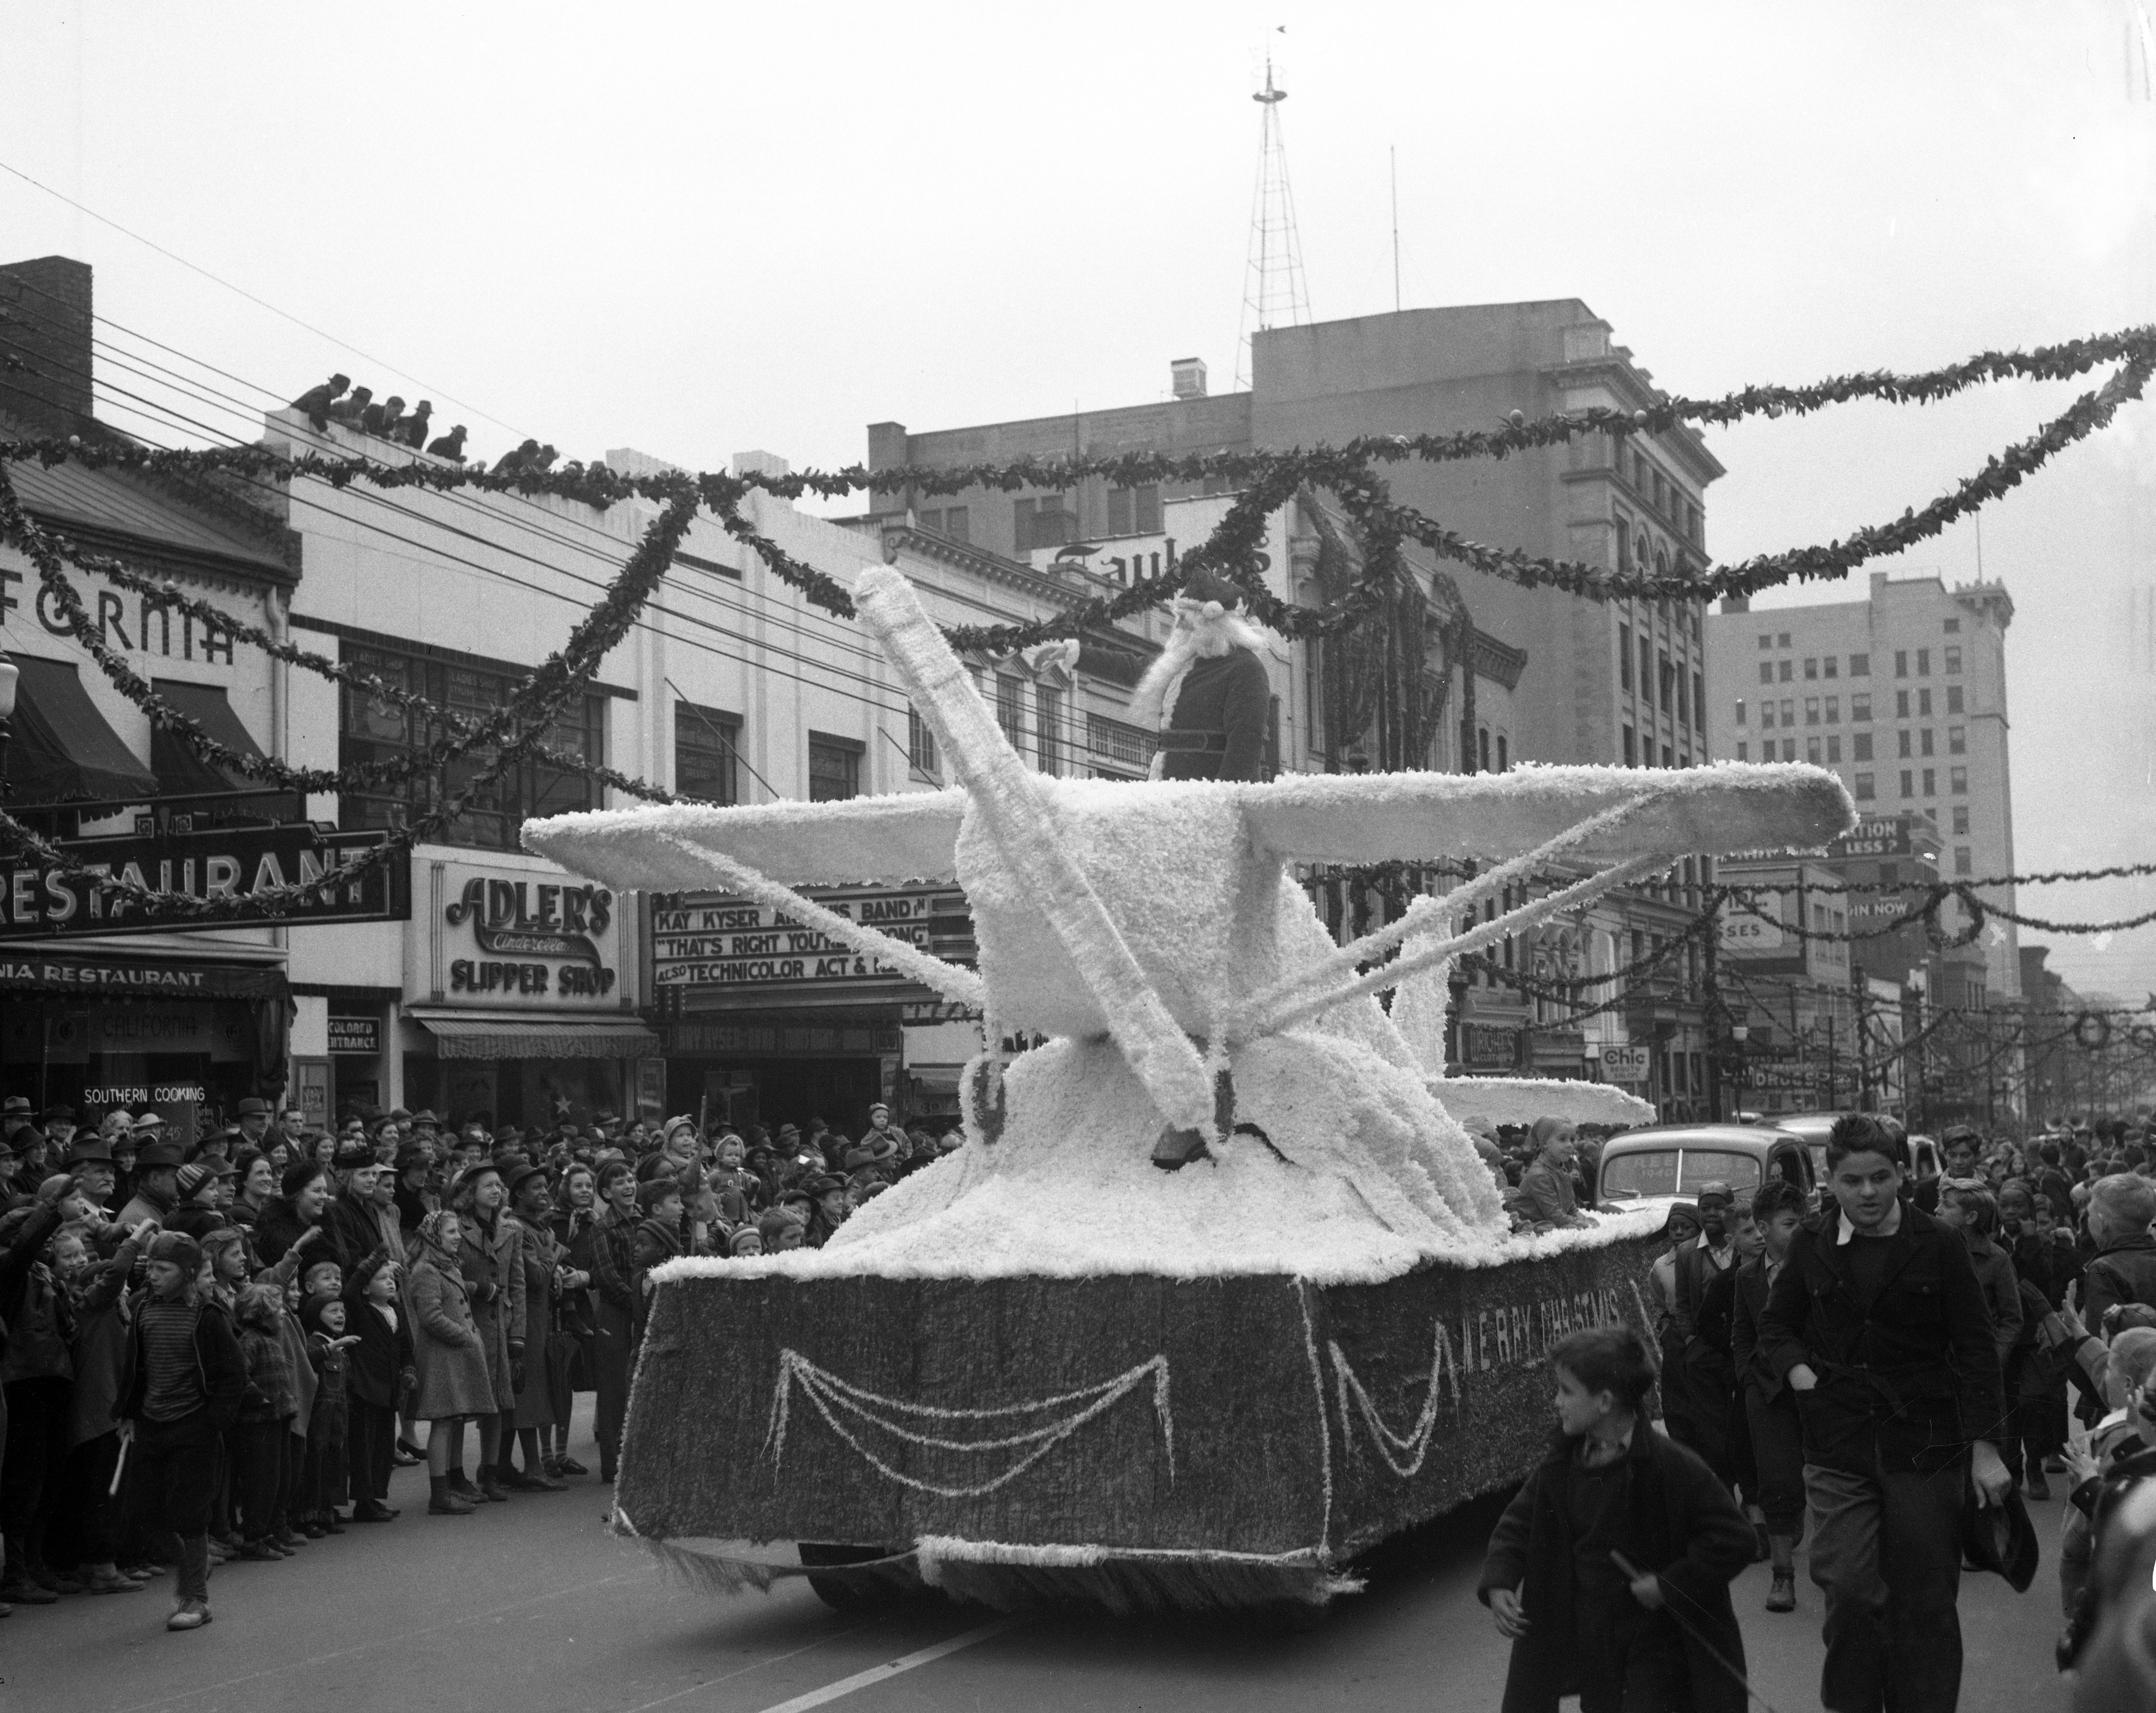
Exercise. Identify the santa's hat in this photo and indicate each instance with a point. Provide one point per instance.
(1208, 588)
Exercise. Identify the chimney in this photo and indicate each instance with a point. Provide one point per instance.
(761, 464)
(44, 344)
(888, 446)
(1188, 376)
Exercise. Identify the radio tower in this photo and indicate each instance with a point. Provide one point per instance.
(1274, 294)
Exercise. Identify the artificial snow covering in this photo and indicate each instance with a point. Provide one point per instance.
(1521, 1100)
(1330, 818)
(1373, 1174)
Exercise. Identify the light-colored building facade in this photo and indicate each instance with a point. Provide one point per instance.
(518, 991)
(1903, 694)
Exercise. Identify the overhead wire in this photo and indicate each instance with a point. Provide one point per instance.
(261, 302)
(170, 417)
(226, 404)
(786, 615)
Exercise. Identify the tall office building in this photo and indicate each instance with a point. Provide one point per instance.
(1902, 693)
(1612, 682)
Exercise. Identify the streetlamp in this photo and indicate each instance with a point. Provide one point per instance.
(10, 674)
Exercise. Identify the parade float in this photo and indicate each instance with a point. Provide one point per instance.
(1047, 1368)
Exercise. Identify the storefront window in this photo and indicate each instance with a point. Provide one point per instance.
(377, 729)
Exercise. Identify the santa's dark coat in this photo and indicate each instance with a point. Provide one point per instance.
(1226, 693)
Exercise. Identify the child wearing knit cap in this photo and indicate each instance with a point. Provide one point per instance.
(257, 1440)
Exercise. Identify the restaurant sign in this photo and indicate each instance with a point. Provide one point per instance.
(44, 900)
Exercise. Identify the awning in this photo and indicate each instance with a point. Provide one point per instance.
(64, 751)
(181, 772)
(116, 976)
(937, 1078)
(484, 1037)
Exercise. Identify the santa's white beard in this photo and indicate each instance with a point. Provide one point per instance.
(1196, 636)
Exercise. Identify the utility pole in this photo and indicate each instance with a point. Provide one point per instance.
(1716, 1020)
(1858, 995)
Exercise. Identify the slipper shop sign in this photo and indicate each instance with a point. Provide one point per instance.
(541, 938)
(39, 900)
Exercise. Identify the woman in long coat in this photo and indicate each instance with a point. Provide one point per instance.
(613, 1275)
(575, 1229)
(449, 1357)
(493, 1268)
(538, 1261)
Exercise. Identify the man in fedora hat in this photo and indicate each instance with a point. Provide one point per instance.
(90, 1158)
(254, 1121)
(59, 1126)
(156, 1181)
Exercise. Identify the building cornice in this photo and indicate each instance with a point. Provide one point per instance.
(1637, 393)
(252, 574)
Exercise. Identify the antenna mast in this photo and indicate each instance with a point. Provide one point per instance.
(1274, 294)
(1392, 157)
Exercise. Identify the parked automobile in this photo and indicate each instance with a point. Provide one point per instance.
(1671, 1163)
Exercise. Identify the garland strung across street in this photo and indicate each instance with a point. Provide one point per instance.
(513, 733)
(1265, 481)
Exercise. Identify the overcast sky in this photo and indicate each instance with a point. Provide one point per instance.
(699, 229)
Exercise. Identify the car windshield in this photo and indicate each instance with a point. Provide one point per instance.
(1676, 1171)
(1705, 1165)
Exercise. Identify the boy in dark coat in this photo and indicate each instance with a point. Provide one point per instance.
(1611, 1486)
(1878, 1325)
(181, 1388)
(379, 1372)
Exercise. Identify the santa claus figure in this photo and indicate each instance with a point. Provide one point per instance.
(1208, 693)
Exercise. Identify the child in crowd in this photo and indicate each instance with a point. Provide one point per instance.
(322, 1485)
(453, 1386)
(1973, 1210)
(1617, 1525)
(1770, 1407)
(257, 1441)
(186, 1378)
(379, 1372)
(2121, 1451)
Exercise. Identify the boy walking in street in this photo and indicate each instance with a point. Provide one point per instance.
(1619, 1534)
(1878, 1325)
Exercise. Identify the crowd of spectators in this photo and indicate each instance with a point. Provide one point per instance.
(2060, 1235)
(221, 1350)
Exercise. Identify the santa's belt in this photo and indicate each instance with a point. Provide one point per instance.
(1200, 742)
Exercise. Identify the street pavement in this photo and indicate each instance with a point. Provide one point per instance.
(532, 1606)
